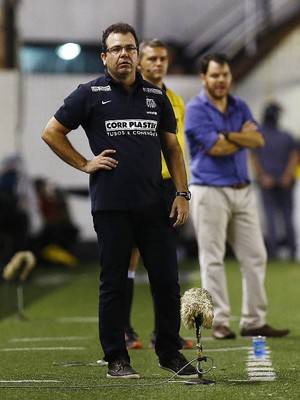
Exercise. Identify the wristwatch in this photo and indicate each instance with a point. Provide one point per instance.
(187, 195)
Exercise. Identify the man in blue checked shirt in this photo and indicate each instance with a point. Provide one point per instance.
(220, 128)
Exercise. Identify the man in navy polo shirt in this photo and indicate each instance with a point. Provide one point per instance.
(128, 121)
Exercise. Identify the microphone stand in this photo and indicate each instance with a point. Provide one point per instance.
(200, 358)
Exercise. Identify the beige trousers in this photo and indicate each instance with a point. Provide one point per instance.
(220, 214)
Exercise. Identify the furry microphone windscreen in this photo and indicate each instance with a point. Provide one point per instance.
(196, 303)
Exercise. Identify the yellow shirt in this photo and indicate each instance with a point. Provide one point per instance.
(297, 172)
(178, 107)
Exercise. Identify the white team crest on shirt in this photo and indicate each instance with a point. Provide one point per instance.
(151, 103)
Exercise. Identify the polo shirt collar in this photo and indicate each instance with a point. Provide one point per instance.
(138, 78)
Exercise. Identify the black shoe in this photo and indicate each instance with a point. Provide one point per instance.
(121, 368)
(179, 365)
(265, 330)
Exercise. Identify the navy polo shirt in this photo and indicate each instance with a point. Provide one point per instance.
(129, 123)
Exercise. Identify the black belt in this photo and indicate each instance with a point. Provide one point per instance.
(241, 185)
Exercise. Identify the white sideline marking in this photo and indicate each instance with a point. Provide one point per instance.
(226, 349)
(31, 381)
(262, 373)
(259, 364)
(260, 369)
(41, 348)
(77, 319)
(45, 339)
(252, 358)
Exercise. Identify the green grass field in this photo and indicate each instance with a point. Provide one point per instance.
(52, 354)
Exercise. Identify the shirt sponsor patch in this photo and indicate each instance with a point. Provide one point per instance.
(152, 90)
(101, 88)
(134, 127)
(151, 112)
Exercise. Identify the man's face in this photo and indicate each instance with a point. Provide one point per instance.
(153, 64)
(121, 57)
(217, 80)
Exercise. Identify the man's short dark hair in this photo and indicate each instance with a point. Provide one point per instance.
(119, 27)
(219, 58)
(154, 43)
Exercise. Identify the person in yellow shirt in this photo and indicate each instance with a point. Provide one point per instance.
(153, 65)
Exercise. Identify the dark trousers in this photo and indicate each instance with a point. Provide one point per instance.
(278, 205)
(150, 229)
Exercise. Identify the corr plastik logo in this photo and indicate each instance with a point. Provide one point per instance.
(131, 124)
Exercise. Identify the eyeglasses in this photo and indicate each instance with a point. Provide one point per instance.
(116, 50)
